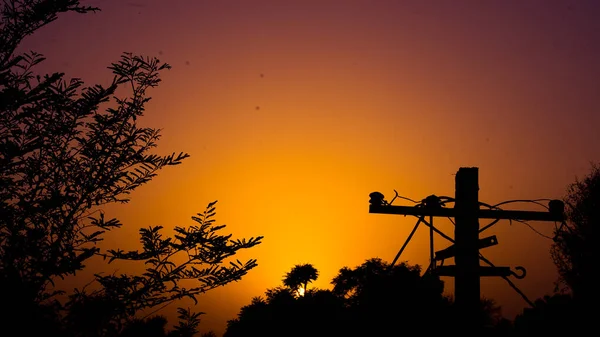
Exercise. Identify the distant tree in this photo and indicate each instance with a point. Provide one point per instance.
(155, 326)
(551, 316)
(300, 276)
(150, 327)
(575, 241)
(66, 150)
(188, 323)
(573, 252)
(281, 296)
(209, 334)
(255, 319)
(324, 314)
(282, 313)
(491, 319)
(369, 300)
(381, 299)
(120, 297)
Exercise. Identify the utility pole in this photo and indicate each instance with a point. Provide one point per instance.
(466, 240)
(465, 250)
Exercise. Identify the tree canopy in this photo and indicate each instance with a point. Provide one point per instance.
(370, 299)
(67, 149)
(300, 276)
(574, 241)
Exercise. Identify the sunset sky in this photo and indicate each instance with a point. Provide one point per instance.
(294, 111)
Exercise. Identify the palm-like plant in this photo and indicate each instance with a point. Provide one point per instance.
(300, 276)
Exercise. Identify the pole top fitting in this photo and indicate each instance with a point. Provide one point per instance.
(377, 199)
(557, 207)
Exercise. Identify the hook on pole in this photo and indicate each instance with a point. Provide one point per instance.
(521, 275)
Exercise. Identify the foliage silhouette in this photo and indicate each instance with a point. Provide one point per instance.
(66, 150)
(569, 311)
(370, 299)
(551, 315)
(151, 327)
(380, 297)
(574, 241)
(491, 313)
(572, 252)
(120, 297)
(317, 313)
(206, 251)
(155, 326)
(188, 323)
(300, 276)
(61, 157)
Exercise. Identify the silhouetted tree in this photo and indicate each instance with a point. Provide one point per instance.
(188, 323)
(254, 319)
(204, 250)
(369, 300)
(155, 326)
(281, 312)
(575, 241)
(209, 334)
(300, 276)
(151, 327)
(491, 319)
(381, 299)
(572, 253)
(551, 316)
(324, 313)
(60, 156)
(65, 150)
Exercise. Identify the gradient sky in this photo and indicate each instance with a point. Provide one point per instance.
(354, 97)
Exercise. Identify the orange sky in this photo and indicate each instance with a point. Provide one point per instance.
(355, 97)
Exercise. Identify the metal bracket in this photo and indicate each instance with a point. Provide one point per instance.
(451, 250)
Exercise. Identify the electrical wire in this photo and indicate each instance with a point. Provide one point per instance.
(421, 219)
(488, 225)
(497, 207)
(444, 200)
(437, 231)
(538, 232)
(534, 201)
(401, 197)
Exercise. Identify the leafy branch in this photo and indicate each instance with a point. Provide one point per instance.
(206, 253)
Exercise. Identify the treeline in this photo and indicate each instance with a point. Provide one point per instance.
(375, 299)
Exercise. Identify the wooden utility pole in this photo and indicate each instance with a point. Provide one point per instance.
(466, 240)
(465, 250)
